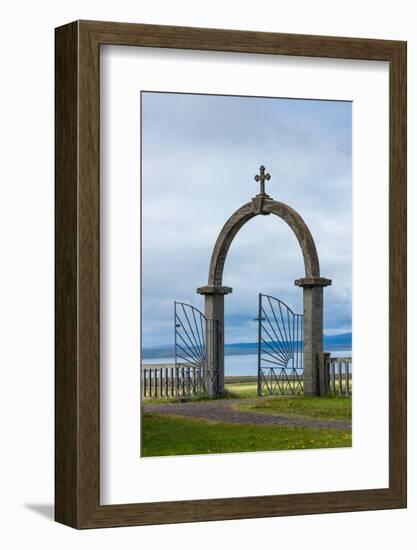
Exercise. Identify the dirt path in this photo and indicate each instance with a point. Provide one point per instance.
(222, 411)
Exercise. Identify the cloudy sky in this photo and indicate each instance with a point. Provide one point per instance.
(199, 157)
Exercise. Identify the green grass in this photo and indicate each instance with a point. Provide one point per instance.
(235, 388)
(195, 398)
(247, 388)
(163, 436)
(242, 389)
(329, 407)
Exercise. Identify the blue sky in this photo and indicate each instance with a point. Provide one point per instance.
(199, 157)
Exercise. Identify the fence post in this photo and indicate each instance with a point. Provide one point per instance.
(259, 389)
(347, 378)
(161, 382)
(339, 366)
(323, 373)
(156, 382)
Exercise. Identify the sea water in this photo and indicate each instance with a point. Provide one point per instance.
(238, 365)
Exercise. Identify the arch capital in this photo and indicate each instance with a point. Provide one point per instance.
(214, 289)
(313, 282)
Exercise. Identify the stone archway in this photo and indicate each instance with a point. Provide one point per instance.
(312, 284)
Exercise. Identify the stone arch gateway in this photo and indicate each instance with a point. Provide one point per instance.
(312, 284)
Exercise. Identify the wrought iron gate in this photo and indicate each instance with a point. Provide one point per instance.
(280, 348)
(196, 364)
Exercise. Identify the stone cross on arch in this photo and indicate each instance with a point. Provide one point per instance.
(262, 177)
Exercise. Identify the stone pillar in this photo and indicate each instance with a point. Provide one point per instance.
(313, 332)
(214, 312)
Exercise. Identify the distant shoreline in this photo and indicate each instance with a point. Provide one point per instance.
(171, 363)
(335, 343)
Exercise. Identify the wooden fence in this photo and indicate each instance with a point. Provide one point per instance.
(172, 382)
(340, 375)
(183, 382)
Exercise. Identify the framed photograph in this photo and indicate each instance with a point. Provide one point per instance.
(230, 274)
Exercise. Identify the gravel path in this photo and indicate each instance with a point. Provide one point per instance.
(223, 411)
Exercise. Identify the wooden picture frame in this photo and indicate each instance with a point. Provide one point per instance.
(77, 371)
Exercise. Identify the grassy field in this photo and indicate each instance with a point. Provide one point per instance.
(242, 389)
(236, 387)
(163, 436)
(170, 435)
(329, 408)
(246, 387)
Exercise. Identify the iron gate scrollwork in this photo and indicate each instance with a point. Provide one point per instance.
(195, 362)
(280, 348)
